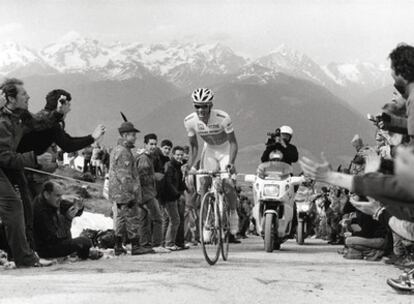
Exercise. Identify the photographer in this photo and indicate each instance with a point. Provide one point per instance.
(53, 217)
(280, 140)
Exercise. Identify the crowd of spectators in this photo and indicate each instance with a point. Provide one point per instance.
(376, 219)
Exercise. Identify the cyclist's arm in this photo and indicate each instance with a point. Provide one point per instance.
(233, 147)
(194, 150)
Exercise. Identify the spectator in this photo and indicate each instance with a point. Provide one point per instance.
(402, 71)
(125, 191)
(96, 160)
(87, 156)
(16, 212)
(166, 146)
(282, 143)
(149, 210)
(40, 141)
(173, 190)
(52, 222)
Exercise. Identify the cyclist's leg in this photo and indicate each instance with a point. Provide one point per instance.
(229, 192)
(228, 184)
(208, 162)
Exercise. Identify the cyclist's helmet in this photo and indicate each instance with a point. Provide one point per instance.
(286, 130)
(202, 96)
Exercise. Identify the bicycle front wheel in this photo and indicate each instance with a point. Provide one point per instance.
(225, 229)
(210, 235)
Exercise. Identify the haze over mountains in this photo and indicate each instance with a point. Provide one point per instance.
(151, 85)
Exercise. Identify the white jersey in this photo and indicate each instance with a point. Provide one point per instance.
(214, 133)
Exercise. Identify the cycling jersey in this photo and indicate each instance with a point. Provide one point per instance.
(214, 133)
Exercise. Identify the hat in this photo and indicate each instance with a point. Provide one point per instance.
(357, 140)
(127, 127)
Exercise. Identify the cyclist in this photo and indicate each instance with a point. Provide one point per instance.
(220, 146)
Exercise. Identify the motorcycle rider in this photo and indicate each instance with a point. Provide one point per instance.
(280, 140)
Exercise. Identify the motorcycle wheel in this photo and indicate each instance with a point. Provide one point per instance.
(270, 228)
(300, 232)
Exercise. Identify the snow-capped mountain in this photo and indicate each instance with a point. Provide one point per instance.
(14, 57)
(186, 65)
(365, 74)
(75, 54)
(292, 62)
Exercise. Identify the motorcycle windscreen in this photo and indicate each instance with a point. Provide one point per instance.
(278, 171)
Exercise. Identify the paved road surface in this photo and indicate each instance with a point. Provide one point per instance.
(313, 273)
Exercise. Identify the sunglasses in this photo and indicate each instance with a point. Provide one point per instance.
(201, 106)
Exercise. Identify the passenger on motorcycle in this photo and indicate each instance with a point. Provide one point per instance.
(280, 140)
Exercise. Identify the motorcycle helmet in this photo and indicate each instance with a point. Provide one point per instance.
(286, 130)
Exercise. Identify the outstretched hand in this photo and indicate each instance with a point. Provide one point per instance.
(98, 132)
(314, 170)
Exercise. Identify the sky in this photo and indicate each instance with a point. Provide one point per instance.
(325, 30)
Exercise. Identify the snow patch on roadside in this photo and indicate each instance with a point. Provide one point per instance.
(88, 220)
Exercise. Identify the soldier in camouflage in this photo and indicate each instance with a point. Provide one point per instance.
(125, 191)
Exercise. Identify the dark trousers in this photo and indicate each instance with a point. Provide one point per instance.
(80, 246)
(86, 165)
(150, 223)
(180, 239)
(170, 222)
(12, 213)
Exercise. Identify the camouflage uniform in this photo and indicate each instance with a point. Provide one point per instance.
(124, 190)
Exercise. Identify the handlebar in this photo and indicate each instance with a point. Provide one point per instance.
(207, 172)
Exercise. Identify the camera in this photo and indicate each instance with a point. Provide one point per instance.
(273, 137)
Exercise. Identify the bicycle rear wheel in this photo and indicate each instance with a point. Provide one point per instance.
(210, 235)
(225, 231)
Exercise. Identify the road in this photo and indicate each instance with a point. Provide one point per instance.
(313, 273)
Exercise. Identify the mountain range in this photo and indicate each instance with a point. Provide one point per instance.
(185, 65)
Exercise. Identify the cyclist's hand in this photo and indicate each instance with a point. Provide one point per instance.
(231, 168)
(191, 170)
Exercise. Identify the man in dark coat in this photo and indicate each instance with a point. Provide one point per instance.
(52, 222)
(173, 189)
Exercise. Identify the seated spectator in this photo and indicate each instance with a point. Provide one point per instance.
(52, 222)
(368, 240)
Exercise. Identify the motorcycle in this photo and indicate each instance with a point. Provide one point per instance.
(273, 195)
(306, 213)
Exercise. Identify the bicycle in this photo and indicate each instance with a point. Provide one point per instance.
(214, 219)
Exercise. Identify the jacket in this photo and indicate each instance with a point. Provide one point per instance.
(290, 153)
(145, 167)
(174, 184)
(13, 125)
(403, 125)
(50, 224)
(124, 184)
(41, 141)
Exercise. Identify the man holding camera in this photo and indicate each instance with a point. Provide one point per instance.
(402, 71)
(53, 215)
(280, 140)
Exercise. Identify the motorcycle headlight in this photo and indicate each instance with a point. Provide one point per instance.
(271, 190)
(304, 208)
